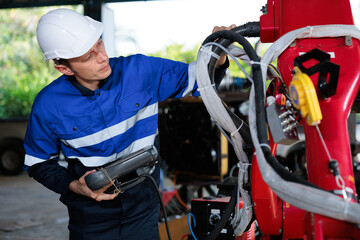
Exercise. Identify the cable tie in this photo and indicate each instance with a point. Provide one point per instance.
(248, 207)
(346, 209)
(233, 133)
(265, 145)
(206, 87)
(258, 63)
(244, 167)
(344, 194)
(206, 50)
(245, 164)
(311, 29)
(242, 170)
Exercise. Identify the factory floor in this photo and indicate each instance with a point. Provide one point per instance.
(28, 211)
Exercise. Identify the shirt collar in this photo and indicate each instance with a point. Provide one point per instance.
(84, 91)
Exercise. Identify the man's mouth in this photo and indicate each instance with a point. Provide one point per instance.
(105, 68)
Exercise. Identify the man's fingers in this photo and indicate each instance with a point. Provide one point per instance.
(232, 26)
(220, 28)
(103, 189)
(89, 172)
(105, 197)
(82, 178)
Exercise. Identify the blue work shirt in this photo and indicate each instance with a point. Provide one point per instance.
(97, 127)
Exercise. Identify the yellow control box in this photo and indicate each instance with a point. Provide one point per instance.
(304, 97)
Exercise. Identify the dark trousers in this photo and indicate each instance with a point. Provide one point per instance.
(131, 215)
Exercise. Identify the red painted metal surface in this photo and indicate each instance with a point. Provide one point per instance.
(293, 222)
(320, 227)
(284, 16)
(249, 234)
(269, 23)
(267, 206)
(294, 14)
(335, 110)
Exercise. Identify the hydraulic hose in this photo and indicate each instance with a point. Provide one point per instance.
(231, 36)
(251, 29)
(285, 174)
(259, 88)
(242, 218)
(244, 131)
(261, 124)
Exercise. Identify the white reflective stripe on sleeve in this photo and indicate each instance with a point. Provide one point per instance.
(112, 131)
(96, 161)
(191, 80)
(30, 160)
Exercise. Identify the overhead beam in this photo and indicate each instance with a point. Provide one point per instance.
(4, 4)
(36, 3)
(92, 8)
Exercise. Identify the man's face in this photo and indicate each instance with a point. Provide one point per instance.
(91, 67)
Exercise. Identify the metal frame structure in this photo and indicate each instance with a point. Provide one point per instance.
(92, 8)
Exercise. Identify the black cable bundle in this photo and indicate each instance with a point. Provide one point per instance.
(232, 36)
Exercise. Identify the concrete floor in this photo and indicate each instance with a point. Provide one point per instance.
(29, 211)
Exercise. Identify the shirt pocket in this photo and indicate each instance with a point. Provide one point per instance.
(135, 102)
(72, 127)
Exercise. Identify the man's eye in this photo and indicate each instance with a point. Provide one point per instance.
(89, 56)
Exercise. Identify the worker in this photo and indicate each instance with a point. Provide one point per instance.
(98, 110)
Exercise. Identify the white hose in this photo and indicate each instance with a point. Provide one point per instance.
(220, 115)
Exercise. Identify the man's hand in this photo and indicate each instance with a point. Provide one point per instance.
(222, 58)
(80, 187)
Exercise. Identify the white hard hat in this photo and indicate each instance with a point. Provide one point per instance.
(64, 33)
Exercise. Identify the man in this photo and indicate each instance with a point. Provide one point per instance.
(99, 110)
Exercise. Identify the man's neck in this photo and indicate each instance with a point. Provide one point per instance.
(92, 85)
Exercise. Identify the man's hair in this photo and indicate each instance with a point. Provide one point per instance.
(61, 61)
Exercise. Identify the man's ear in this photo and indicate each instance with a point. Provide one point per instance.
(64, 69)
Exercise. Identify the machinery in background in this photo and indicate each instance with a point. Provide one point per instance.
(314, 85)
(208, 212)
(191, 144)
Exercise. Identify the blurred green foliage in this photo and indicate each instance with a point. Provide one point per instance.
(23, 73)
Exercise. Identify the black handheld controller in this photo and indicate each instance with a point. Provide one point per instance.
(121, 167)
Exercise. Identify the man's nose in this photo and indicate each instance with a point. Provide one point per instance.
(102, 56)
